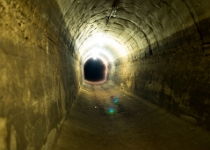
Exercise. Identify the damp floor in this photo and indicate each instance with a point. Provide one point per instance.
(103, 117)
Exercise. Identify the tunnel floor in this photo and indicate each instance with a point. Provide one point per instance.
(133, 124)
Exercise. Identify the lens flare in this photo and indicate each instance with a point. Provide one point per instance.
(116, 101)
(111, 110)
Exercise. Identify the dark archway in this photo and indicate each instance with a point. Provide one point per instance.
(94, 70)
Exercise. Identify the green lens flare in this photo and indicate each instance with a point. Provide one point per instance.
(116, 101)
(111, 111)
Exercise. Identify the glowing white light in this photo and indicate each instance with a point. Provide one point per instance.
(104, 60)
(97, 52)
(95, 55)
(100, 43)
(106, 47)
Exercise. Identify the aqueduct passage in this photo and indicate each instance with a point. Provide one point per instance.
(158, 50)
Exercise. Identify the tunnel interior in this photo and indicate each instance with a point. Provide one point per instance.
(94, 70)
(157, 50)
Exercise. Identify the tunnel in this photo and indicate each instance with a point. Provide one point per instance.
(99, 75)
(94, 71)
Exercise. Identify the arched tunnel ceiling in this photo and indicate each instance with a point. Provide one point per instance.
(134, 24)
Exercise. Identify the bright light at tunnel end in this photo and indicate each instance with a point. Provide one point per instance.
(95, 57)
(103, 48)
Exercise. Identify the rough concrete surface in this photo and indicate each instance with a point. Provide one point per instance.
(134, 125)
(176, 79)
(35, 70)
(156, 49)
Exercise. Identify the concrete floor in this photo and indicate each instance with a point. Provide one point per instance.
(132, 124)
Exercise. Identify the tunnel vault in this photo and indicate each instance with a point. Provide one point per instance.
(156, 49)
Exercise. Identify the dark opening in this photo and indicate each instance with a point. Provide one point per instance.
(94, 70)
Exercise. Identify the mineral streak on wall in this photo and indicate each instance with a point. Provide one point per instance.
(38, 74)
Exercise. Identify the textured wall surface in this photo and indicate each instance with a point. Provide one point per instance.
(178, 79)
(136, 24)
(167, 43)
(38, 74)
